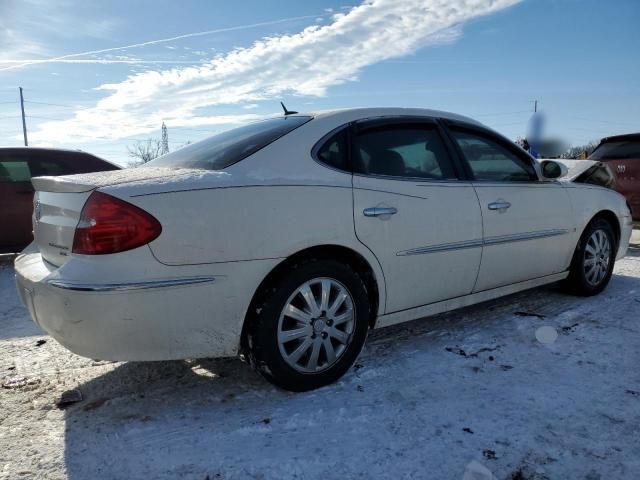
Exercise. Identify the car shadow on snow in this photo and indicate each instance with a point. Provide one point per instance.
(135, 420)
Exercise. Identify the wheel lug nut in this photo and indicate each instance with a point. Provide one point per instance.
(329, 322)
(324, 335)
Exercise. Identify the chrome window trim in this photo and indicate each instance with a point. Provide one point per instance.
(409, 179)
(128, 286)
(497, 240)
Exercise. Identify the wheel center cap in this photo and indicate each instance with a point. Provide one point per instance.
(318, 324)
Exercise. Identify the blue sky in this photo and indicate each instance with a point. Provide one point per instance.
(488, 59)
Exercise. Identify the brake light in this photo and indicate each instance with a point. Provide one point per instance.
(110, 225)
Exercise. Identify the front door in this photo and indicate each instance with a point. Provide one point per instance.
(413, 213)
(528, 223)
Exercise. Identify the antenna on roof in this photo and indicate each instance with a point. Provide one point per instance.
(287, 112)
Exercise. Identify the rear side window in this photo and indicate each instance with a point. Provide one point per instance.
(618, 150)
(334, 152)
(412, 151)
(14, 171)
(226, 148)
(491, 161)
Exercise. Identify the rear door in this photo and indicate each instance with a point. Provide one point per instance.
(412, 211)
(527, 222)
(16, 202)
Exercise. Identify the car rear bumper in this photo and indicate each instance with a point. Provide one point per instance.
(160, 319)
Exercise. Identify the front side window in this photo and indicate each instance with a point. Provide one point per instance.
(226, 148)
(491, 161)
(14, 171)
(402, 151)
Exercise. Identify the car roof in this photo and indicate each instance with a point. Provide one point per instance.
(351, 114)
(372, 112)
(43, 149)
(621, 138)
(53, 150)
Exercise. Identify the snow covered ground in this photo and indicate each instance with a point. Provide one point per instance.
(484, 392)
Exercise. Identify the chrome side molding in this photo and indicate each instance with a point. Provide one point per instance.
(520, 237)
(517, 237)
(127, 286)
(442, 247)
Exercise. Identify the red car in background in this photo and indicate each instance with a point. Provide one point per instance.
(17, 166)
(622, 154)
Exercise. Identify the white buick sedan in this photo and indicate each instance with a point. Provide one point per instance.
(286, 240)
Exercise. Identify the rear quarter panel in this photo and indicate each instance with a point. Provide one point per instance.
(247, 223)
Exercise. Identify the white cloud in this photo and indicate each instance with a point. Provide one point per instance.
(306, 63)
(29, 27)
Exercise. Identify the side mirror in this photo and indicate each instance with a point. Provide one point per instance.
(552, 170)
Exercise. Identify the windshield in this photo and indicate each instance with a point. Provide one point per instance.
(226, 148)
(617, 150)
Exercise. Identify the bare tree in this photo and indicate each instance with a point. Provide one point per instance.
(580, 151)
(145, 151)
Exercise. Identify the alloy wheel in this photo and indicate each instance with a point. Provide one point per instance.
(597, 255)
(316, 325)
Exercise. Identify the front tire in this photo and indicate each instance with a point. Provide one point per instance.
(311, 326)
(593, 260)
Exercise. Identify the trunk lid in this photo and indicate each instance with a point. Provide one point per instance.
(86, 182)
(58, 203)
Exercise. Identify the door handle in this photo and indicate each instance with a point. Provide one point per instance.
(499, 205)
(379, 211)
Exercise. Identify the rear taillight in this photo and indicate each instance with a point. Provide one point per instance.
(110, 225)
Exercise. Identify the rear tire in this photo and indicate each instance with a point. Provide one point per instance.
(593, 260)
(311, 326)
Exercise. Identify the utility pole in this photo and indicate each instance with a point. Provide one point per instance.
(24, 123)
(535, 106)
(165, 140)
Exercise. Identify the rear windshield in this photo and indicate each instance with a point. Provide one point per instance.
(618, 150)
(226, 148)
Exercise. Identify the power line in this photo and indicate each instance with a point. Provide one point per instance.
(194, 130)
(47, 118)
(597, 120)
(53, 104)
(508, 124)
(499, 113)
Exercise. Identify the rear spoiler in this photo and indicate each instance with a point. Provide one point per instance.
(59, 184)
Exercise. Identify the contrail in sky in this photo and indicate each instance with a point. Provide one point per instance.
(161, 40)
